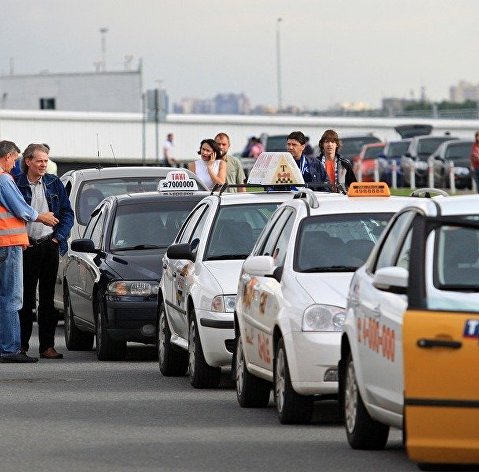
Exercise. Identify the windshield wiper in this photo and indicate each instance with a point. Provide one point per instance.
(337, 268)
(139, 246)
(227, 257)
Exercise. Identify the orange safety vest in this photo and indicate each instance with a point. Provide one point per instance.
(13, 230)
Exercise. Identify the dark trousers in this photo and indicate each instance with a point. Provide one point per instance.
(40, 265)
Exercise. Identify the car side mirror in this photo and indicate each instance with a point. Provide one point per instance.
(392, 279)
(408, 154)
(84, 245)
(261, 266)
(180, 251)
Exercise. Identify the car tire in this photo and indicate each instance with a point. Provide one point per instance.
(107, 349)
(172, 360)
(201, 374)
(75, 340)
(251, 391)
(292, 408)
(361, 430)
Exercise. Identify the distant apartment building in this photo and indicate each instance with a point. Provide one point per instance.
(463, 92)
(103, 91)
(221, 104)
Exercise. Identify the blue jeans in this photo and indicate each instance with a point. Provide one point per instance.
(475, 176)
(11, 298)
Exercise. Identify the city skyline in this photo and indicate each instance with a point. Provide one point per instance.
(331, 51)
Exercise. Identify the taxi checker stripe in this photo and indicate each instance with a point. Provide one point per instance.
(441, 403)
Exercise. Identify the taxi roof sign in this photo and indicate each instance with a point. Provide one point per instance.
(177, 180)
(275, 168)
(369, 189)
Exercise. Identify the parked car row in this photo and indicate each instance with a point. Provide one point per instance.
(300, 293)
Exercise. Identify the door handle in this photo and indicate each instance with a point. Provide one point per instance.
(429, 343)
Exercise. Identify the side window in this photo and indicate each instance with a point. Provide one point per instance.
(190, 224)
(279, 252)
(98, 228)
(389, 251)
(68, 187)
(199, 226)
(91, 225)
(272, 238)
(403, 258)
(264, 235)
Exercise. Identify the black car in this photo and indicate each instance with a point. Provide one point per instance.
(112, 274)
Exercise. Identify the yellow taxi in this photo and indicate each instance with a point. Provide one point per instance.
(410, 341)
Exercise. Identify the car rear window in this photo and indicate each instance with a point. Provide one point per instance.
(236, 229)
(92, 192)
(337, 243)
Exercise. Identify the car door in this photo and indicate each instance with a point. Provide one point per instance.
(379, 320)
(181, 271)
(263, 296)
(82, 271)
(441, 348)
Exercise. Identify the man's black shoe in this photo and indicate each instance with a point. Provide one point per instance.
(19, 357)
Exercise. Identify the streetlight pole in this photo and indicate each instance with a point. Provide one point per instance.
(278, 63)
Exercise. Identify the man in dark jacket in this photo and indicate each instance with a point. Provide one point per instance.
(311, 168)
(44, 192)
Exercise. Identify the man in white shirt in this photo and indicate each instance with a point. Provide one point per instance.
(169, 151)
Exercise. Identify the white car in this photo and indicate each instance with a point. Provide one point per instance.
(200, 277)
(292, 296)
(86, 188)
(410, 339)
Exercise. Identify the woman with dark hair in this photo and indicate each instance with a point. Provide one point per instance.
(211, 168)
(339, 169)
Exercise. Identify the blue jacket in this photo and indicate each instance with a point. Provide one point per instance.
(58, 203)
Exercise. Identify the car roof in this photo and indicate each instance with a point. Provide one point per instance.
(251, 197)
(145, 197)
(458, 205)
(131, 171)
(342, 204)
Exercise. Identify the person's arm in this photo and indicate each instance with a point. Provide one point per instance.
(192, 167)
(220, 177)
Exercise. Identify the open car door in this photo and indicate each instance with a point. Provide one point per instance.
(441, 345)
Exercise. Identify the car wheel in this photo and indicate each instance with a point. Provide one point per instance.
(361, 430)
(75, 339)
(292, 408)
(107, 349)
(201, 374)
(171, 359)
(251, 391)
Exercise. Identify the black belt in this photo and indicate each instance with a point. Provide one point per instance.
(35, 242)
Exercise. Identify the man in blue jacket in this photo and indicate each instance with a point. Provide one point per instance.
(312, 169)
(44, 192)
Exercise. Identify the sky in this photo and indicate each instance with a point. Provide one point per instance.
(331, 51)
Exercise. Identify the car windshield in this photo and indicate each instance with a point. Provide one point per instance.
(92, 192)
(236, 229)
(459, 151)
(426, 147)
(337, 243)
(373, 152)
(148, 225)
(352, 146)
(396, 149)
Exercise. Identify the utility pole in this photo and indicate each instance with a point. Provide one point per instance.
(278, 63)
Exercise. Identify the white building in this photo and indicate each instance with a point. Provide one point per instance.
(103, 91)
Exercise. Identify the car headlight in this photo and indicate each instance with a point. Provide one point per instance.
(137, 288)
(323, 318)
(224, 303)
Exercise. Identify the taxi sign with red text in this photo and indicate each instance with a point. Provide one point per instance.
(177, 180)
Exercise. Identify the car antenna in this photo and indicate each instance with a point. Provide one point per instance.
(114, 157)
(98, 151)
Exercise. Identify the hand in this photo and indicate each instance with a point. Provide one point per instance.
(48, 218)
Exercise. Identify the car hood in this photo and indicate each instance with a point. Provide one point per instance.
(327, 288)
(137, 265)
(226, 274)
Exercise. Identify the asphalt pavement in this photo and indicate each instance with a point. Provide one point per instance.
(79, 414)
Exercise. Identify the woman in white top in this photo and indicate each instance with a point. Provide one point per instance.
(211, 168)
